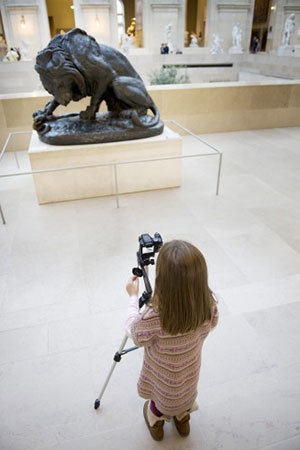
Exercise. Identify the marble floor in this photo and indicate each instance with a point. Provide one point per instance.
(63, 268)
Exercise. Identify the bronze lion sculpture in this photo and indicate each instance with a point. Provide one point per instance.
(74, 66)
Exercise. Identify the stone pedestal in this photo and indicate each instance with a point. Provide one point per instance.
(235, 50)
(286, 50)
(100, 181)
(297, 50)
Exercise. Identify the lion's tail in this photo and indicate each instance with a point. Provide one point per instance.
(151, 123)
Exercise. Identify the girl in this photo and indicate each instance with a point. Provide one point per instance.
(172, 330)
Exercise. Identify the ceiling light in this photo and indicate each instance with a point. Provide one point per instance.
(22, 22)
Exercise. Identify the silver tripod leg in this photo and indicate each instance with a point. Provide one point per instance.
(98, 399)
(118, 355)
(2, 216)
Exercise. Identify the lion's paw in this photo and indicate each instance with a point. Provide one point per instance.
(87, 115)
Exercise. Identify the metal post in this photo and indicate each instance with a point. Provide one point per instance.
(2, 216)
(116, 186)
(219, 174)
(16, 158)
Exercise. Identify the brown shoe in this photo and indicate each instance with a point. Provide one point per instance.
(157, 431)
(183, 426)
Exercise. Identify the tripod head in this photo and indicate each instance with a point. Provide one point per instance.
(148, 246)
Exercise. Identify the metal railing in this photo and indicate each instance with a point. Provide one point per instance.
(215, 152)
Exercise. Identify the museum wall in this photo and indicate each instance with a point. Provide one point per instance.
(206, 108)
(26, 25)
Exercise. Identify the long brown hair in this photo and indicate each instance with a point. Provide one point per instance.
(181, 296)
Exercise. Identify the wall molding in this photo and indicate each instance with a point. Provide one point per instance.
(95, 6)
(291, 9)
(21, 7)
(231, 6)
(156, 5)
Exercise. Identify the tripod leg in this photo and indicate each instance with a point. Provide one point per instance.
(98, 399)
(2, 216)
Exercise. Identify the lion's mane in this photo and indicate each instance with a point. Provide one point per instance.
(53, 64)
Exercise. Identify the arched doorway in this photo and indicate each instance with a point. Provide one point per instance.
(260, 25)
(3, 45)
(60, 16)
(195, 20)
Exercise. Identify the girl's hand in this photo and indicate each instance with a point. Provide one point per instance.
(132, 286)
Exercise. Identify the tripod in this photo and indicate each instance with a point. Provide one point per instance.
(148, 246)
(146, 297)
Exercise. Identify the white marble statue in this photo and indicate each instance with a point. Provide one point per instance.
(24, 51)
(236, 39)
(289, 29)
(168, 37)
(194, 41)
(237, 36)
(126, 43)
(216, 47)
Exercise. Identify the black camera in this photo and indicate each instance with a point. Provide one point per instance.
(148, 246)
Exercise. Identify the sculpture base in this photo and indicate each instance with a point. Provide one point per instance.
(69, 129)
(286, 50)
(235, 50)
(100, 181)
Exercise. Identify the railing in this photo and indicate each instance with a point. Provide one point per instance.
(215, 152)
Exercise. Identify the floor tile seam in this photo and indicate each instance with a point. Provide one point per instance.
(258, 284)
(247, 378)
(266, 185)
(84, 436)
(265, 285)
(90, 346)
(28, 327)
(41, 323)
(248, 234)
(253, 311)
(258, 212)
(43, 356)
(282, 305)
(269, 446)
(232, 314)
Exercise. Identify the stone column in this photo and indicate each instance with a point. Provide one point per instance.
(157, 15)
(99, 19)
(222, 16)
(26, 25)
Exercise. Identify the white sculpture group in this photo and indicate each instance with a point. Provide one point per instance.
(216, 48)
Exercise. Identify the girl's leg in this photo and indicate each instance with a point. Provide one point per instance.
(154, 409)
(154, 422)
(182, 423)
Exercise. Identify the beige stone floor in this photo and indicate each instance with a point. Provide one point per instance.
(63, 268)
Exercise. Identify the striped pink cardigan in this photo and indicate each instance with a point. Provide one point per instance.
(171, 366)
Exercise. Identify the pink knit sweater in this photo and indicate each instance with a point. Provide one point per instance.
(171, 365)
